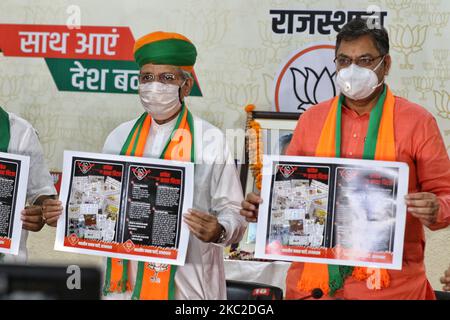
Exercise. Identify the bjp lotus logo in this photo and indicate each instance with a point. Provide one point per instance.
(306, 79)
(442, 103)
(407, 40)
(310, 87)
(157, 268)
(128, 245)
(73, 239)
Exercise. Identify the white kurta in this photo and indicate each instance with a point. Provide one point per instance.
(24, 141)
(217, 190)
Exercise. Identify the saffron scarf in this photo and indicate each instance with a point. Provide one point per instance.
(379, 145)
(153, 281)
(5, 134)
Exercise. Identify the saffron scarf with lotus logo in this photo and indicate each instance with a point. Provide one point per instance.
(154, 281)
(379, 145)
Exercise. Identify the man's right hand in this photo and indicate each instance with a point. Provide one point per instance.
(51, 211)
(250, 207)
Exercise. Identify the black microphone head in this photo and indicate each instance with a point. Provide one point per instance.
(317, 293)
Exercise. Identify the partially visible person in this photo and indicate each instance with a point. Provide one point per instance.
(17, 136)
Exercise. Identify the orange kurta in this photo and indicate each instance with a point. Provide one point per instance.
(419, 144)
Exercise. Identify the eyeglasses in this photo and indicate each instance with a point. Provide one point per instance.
(166, 77)
(364, 61)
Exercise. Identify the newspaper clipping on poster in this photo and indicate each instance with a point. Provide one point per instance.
(125, 207)
(13, 189)
(333, 210)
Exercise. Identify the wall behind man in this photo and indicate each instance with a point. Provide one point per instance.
(239, 56)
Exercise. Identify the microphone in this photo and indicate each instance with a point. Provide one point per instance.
(316, 293)
(262, 294)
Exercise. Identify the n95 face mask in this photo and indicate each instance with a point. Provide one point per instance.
(356, 82)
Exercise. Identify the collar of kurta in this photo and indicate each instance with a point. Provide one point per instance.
(4, 130)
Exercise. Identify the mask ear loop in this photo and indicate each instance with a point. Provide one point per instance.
(179, 91)
(379, 64)
(384, 78)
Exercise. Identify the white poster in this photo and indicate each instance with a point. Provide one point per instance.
(125, 207)
(333, 210)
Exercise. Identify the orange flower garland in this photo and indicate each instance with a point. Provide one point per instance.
(254, 146)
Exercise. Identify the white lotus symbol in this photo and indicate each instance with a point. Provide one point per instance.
(311, 87)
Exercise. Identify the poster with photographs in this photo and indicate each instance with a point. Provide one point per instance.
(14, 171)
(276, 133)
(333, 210)
(125, 207)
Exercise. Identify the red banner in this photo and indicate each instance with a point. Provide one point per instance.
(58, 41)
(56, 180)
(327, 253)
(5, 243)
(126, 248)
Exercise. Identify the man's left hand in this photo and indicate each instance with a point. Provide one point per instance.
(203, 225)
(424, 206)
(32, 218)
(51, 210)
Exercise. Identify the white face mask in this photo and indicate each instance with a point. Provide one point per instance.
(160, 100)
(358, 83)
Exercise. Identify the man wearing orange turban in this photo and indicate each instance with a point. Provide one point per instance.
(168, 130)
